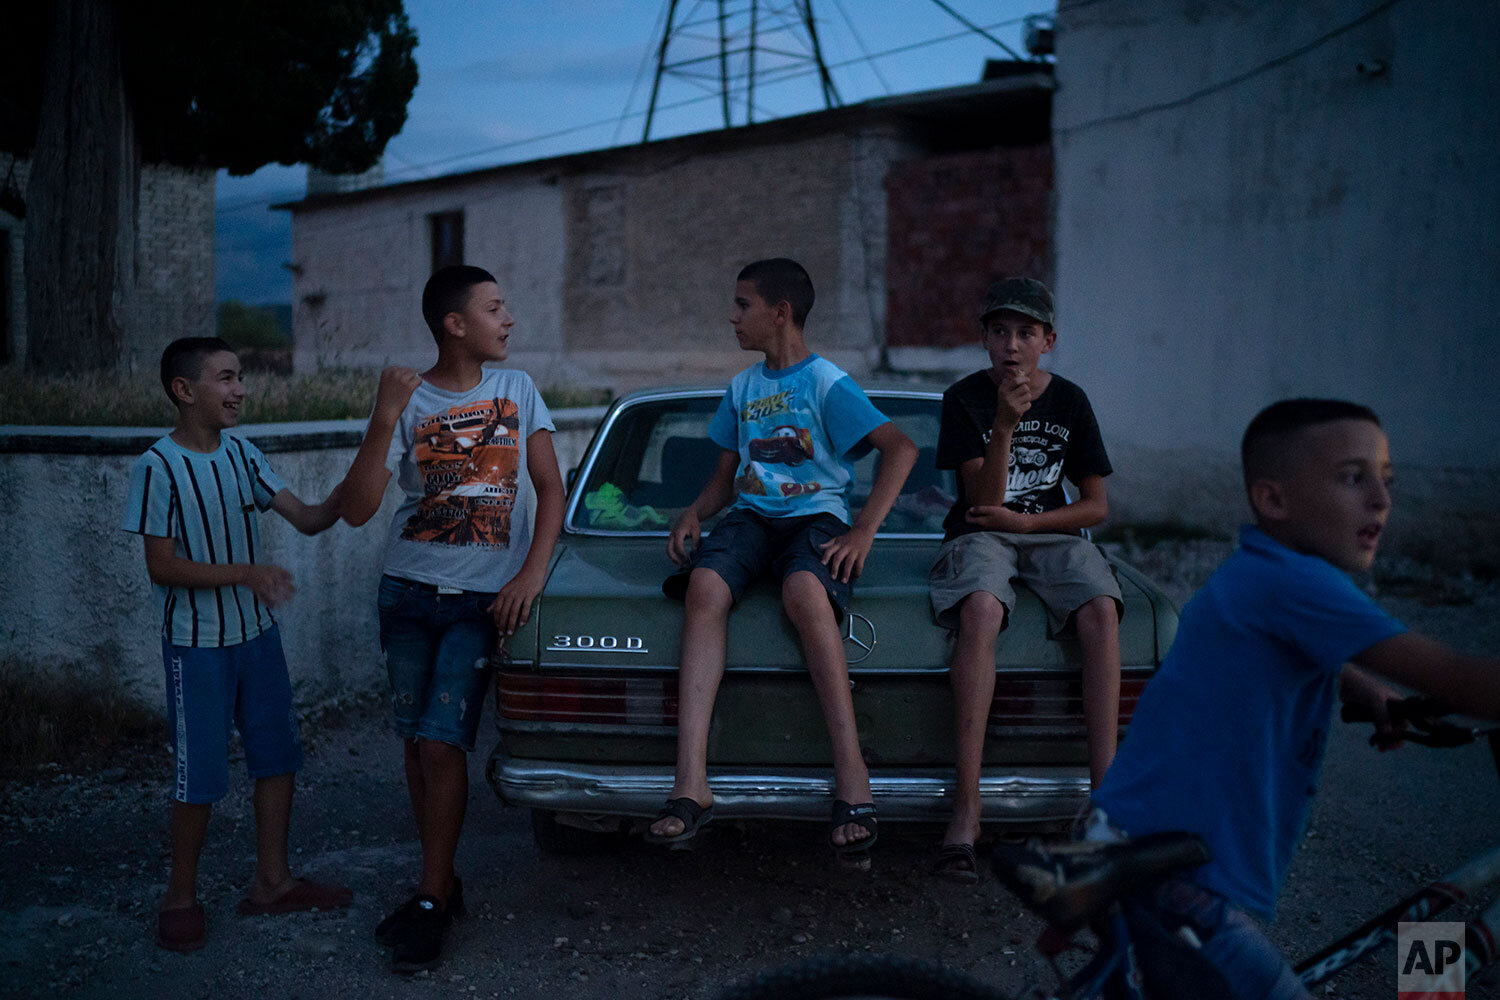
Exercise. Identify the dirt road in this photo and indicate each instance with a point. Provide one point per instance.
(85, 864)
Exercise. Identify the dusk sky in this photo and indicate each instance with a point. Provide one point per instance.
(531, 79)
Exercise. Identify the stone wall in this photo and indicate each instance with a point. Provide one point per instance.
(167, 288)
(171, 288)
(618, 266)
(957, 222)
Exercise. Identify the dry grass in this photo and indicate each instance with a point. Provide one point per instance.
(138, 401)
(69, 713)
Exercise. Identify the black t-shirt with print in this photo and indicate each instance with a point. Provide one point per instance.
(1057, 437)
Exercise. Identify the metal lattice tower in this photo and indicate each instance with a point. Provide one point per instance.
(726, 46)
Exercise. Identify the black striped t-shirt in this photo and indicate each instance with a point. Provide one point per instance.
(207, 503)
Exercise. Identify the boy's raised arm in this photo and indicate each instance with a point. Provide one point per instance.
(512, 606)
(1467, 684)
(985, 478)
(845, 555)
(717, 492)
(364, 485)
(309, 518)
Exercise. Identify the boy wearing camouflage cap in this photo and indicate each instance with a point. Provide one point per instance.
(1012, 431)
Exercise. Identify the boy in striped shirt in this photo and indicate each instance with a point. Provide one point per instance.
(193, 497)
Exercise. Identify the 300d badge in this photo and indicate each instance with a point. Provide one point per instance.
(598, 644)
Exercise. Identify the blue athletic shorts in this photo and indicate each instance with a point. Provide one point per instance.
(437, 656)
(745, 545)
(245, 685)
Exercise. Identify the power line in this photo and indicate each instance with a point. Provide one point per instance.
(874, 67)
(559, 133)
(1232, 81)
(976, 28)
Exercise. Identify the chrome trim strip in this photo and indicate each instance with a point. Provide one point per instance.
(1031, 795)
(592, 649)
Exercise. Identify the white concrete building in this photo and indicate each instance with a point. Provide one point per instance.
(1275, 199)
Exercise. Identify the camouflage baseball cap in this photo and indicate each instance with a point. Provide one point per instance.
(1023, 295)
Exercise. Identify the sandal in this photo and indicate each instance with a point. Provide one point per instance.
(956, 863)
(860, 815)
(694, 817)
(181, 929)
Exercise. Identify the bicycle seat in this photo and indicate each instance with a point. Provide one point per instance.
(1070, 884)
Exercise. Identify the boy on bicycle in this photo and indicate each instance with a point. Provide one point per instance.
(1228, 738)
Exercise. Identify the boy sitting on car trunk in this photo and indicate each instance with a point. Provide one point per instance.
(1013, 431)
(789, 427)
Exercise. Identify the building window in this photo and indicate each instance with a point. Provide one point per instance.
(447, 239)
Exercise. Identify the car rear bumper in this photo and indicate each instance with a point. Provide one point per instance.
(1034, 796)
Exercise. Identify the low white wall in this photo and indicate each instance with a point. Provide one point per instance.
(73, 585)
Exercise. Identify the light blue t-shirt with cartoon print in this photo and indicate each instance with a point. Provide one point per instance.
(797, 431)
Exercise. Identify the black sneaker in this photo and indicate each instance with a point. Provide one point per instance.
(419, 944)
(389, 930)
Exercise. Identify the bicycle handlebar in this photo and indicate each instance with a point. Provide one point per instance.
(1424, 719)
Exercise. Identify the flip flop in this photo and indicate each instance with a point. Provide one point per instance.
(860, 815)
(956, 863)
(694, 817)
(305, 895)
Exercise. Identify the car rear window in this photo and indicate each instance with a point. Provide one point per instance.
(656, 456)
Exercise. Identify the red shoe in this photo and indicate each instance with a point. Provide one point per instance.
(181, 929)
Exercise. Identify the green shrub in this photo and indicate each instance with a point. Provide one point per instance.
(251, 326)
(138, 401)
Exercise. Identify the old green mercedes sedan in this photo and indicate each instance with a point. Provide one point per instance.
(586, 693)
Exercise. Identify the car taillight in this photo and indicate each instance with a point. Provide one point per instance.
(595, 700)
(1054, 704)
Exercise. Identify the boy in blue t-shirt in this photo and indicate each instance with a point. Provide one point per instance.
(1228, 738)
(193, 497)
(789, 427)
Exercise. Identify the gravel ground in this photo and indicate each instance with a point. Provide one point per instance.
(85, 854)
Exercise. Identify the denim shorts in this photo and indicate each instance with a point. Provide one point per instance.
(1191, 942)
(437, 656)
(1165, 918)
(745, 545)
(210, 689)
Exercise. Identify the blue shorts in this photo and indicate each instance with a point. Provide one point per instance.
(208, 690)
(437, 656)
(745, 545)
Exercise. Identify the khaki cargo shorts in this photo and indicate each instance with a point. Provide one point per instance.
(1065, 571)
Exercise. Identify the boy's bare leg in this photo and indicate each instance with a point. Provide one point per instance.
(972, 673)
(416, 788)
(806, 603)
(445, 788)
(1098, 626)
(273, 816)
(705, 632)
(189, 829)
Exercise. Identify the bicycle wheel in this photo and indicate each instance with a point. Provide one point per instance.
(862, 977)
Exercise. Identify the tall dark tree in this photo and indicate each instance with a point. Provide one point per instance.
(97, 87)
